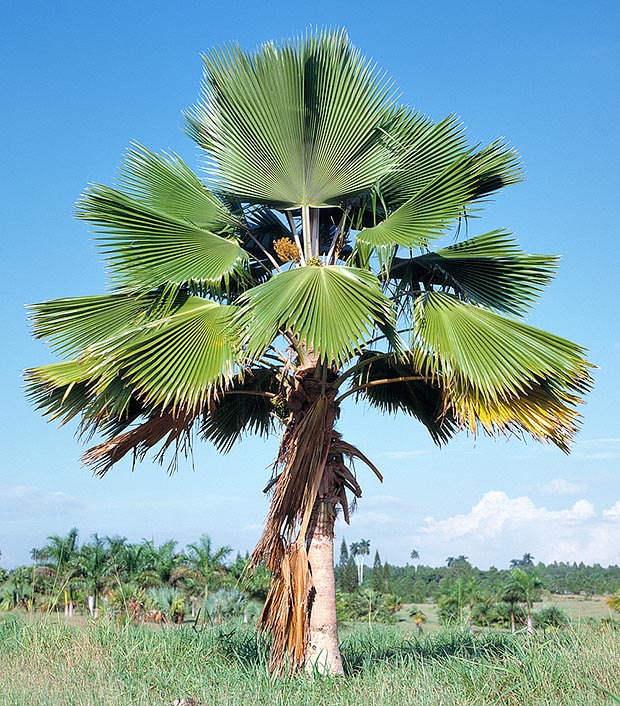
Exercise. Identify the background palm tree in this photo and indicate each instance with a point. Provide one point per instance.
(299, 275)
(61, 554)
(523, 586)
(526, 560)
(208, 561)
(359, 550)
(94, 568)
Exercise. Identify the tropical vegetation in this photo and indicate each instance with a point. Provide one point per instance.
(109, 577)
(300, 272)
(48, 663)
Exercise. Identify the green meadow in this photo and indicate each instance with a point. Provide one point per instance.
(48, 661)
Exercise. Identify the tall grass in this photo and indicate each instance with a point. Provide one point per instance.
(47, 662)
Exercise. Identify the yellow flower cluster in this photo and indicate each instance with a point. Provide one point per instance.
(286, 250)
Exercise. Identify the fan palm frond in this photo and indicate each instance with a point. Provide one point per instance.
(293, 124)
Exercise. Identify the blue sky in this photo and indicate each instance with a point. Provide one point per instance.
(81, 80)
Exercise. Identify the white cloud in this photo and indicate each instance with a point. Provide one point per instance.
(18, 501)
(496, 513)
(598, 449)
(613, 511)
(559, 486)
(499, 527)
(399, 455)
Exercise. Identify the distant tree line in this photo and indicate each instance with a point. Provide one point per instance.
(164, 583)
(158, 583)
(419, 583)
(467, 595)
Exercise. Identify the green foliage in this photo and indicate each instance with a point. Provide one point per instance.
(367, 605)
(377, 581)
(348, 577)
(306, 142)
(49, 663)
(550, 616)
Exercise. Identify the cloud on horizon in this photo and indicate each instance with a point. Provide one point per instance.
(598, 449)
(493, 531)
(577, 533)
(560, 486)
(19, 501)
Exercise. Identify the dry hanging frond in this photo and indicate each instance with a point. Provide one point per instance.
(283, 545)
(139, 440)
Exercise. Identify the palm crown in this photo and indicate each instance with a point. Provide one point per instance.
(300, 272)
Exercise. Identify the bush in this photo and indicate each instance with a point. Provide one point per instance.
(551, 616)
(367, 605)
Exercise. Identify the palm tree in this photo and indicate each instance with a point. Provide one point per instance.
(523, 586)
(61, 556)
(159, 563)
(94, 567)
(526, 560)
(511, 594)
(209, 562)
(298, 275)
(359, 550)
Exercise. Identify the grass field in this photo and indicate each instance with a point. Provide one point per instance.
(578, 608)
(46, 662)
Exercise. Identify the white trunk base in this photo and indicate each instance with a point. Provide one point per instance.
(323, 652)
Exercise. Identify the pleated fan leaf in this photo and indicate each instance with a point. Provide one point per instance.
(244, 408)
(147, 248)
(427, 214)
(294, 123)
(497, 358)
(386, 383)
(60, 390)
(166, 184)
(544, 411)
(489, 269)
(423, 150)
(176, 363)
(334, 310)
(74, 323)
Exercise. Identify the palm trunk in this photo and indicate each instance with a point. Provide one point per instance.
(323, 652)
(298, 541)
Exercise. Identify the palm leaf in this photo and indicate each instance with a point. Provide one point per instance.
(423, 150)
(332, 310)
(489, 269)
(427, 214)
(166, 184)
(64, 391)
(434, 199)
(59, 390)
(74, 323)
(385, 382)
(543, 410)
(497, 358)
(147, 248)
(166, 429)
(177, 362)
(294, 123)
(495, 166)
(244, 408)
